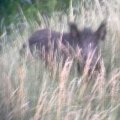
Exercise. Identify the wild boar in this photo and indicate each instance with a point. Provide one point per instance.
(68, 44)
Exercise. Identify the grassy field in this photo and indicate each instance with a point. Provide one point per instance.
(30, 91)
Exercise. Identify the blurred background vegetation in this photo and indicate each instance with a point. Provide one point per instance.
(10, 10)
(13, 10)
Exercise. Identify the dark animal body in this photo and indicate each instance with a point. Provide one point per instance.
(86, 41)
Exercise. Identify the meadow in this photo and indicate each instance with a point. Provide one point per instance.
(31, 91)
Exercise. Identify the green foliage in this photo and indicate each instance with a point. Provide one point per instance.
(9, 8)
(46, 6)
(62, 4)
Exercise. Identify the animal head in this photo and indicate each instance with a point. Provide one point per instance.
(88, 41)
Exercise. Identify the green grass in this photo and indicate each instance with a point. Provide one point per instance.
(31, 91)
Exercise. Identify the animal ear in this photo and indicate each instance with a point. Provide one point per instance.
(74, 32)
(101, 31)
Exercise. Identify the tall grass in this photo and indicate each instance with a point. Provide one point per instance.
(31, 91)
